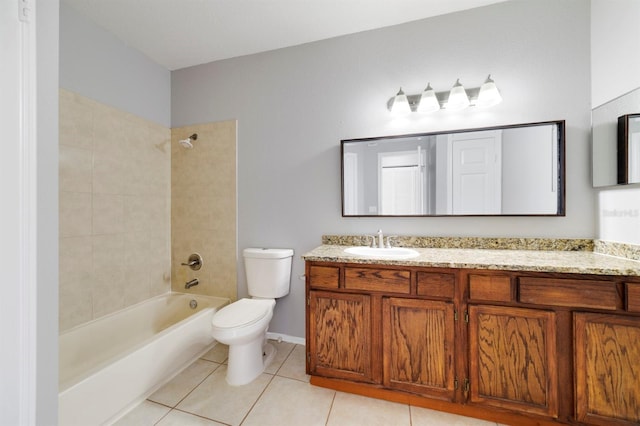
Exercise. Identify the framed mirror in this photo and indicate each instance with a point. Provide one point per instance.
(610, 149)
(629, 149)
(514, 170)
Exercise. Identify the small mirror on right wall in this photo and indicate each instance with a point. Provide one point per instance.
(616, 141)
(629, 148)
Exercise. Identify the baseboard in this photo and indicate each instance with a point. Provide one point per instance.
(286, 338)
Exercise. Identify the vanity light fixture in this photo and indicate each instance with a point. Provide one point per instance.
(457, 99)
(400, 104)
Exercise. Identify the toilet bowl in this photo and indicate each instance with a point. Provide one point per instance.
(243, 324)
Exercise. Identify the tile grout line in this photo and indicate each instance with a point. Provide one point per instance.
(333, 400)
(187, 394)
(257, 399)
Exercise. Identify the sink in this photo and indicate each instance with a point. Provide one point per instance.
(394, 252)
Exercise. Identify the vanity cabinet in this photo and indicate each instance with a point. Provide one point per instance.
(418, 346)
(340, 340)
(515, 347)
(607, 368)
(512, 354)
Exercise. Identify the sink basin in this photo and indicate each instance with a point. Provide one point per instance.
(394, 252)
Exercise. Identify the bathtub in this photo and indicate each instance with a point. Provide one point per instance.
(109, 365)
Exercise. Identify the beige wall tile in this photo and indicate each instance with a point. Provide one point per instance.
(75, 214)
(203, 208)
(109, 173)
(75, 169)
(76, 120)
(115, 182)
(108, 214)
(76, 272)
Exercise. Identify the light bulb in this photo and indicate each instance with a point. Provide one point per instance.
(489, 94)
(458, 98)
(400, 104)
(428, 100)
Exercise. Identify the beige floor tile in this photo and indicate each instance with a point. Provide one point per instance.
(283, 349)
(294, 366)
(354, 410)
(426, 417)
(179, 418)
(147, 413)
(218, 353)
(291, 402)
(173, 392)
(216, 400)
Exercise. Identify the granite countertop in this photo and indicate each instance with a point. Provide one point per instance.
(581, 262)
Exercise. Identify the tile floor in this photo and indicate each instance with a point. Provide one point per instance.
(280, 396)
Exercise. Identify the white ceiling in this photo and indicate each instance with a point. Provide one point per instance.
(182, 33)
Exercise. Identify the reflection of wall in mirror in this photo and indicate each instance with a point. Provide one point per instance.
(529, 178)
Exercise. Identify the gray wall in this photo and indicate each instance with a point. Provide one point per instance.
(294, 105)
(97, 65)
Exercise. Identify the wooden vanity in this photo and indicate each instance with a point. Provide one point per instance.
(513, 346)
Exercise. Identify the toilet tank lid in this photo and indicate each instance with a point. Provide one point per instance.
(269, 253)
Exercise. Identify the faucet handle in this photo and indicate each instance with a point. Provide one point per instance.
(373, 240)
(388, 245)
(194, 262)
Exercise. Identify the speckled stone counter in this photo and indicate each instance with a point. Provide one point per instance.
(580, 262)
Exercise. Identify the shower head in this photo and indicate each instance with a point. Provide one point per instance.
(188, 142)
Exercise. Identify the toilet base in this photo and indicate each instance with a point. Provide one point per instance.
(247, 361)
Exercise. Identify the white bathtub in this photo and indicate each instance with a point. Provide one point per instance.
(110, 364)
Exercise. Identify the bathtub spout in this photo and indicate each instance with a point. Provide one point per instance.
(191, 283)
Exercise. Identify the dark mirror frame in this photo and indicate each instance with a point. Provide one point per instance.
(623, 148)
(560, 165)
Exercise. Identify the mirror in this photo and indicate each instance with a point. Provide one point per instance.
(629, 149)
(515, 170)
(607, 154)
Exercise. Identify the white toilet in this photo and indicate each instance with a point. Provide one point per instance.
(243, 324)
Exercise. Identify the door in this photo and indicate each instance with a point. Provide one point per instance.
(607, 369)
(476, 173)
(340, 335)
(418, 346)
(512, 359)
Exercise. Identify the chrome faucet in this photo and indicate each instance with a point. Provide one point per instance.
(191, 283)
(380, 239)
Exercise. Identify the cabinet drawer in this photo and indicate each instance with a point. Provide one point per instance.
(370, 279)
(436, 284)
(566, 292)
(324, 276)
(633, 297)
(495, 288)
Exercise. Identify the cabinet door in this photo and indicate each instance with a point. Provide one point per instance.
(607, 357)
(512, 359)
(340, 335)
(418, 346)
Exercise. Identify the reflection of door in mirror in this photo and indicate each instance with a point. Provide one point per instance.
(402, 182)
(350, 184)
(476, 172)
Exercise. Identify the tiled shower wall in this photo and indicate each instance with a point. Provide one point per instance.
(203, 208)
(115, 207)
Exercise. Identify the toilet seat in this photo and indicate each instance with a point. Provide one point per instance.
(242, 313)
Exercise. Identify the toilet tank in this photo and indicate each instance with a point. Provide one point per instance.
(268, 271)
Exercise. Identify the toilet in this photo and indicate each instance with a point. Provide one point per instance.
(243, 324)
